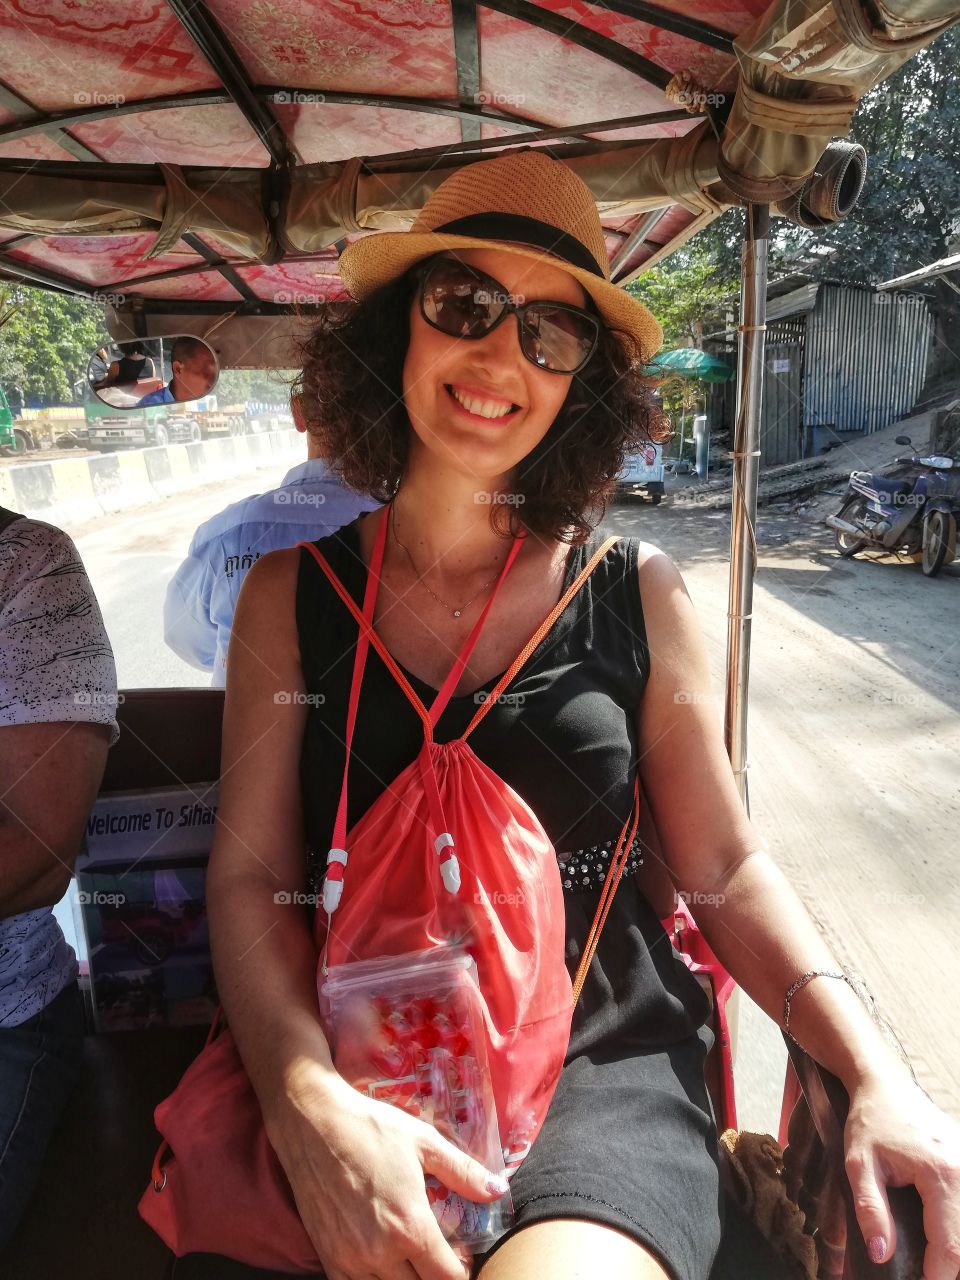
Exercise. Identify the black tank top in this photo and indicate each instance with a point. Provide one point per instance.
(132, 368)
(563, 733)
(563, 736)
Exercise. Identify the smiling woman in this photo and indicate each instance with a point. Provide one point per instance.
(565, 458)
(484, 383)
(469, 396)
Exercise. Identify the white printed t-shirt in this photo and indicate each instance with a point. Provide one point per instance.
(56, 665)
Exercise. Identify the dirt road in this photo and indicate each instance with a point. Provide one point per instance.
(854, 753)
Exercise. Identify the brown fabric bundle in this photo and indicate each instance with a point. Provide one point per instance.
(755, 1176)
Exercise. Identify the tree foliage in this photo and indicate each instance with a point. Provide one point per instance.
(689, 293)
(46, 342)
(268, 385)
(909, 212)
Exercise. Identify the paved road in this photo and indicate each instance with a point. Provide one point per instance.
(854, 742)
(131, 557)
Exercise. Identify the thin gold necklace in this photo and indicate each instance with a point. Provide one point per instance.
(456, 612)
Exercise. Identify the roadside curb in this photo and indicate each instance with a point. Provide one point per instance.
(73, 490)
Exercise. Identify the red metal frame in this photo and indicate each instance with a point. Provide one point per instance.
(700, 960)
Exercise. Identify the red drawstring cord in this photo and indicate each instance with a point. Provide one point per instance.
(443, 839)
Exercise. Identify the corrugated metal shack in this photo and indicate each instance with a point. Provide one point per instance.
(841, 360)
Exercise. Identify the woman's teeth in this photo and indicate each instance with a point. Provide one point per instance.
(483, 408)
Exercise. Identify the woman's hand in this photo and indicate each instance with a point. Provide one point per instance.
(357, 1170)
(895, 1136)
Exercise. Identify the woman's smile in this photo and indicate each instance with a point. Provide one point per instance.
(481, 405)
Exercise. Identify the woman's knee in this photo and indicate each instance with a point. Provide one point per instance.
(571, 1249)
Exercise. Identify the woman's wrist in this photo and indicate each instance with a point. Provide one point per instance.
(838, 1024)
(883, 1068)
(304, 1084)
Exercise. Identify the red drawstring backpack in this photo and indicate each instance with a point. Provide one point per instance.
(447, 848)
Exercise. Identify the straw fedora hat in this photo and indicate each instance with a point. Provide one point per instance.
(524, 203)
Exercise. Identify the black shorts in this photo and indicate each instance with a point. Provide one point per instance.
(630, 1142)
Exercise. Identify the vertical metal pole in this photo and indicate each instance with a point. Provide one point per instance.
(746, 467)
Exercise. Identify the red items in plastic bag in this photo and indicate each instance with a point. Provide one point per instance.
(408, 1030)
(448, 856)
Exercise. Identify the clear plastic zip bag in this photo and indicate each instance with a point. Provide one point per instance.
(408, 1030)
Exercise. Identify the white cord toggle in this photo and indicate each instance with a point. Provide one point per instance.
(332, 892)
(450, 871)
(333, 889)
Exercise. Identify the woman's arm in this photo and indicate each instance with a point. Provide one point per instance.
(764, 937)
(752, 918)
(263, 952)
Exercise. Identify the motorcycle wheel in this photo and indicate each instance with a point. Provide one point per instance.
(847, 544)
(936, 540)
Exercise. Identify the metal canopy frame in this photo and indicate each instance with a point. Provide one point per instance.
(466, 45)
(678, 23)
(207, 34)
(254, 102)
(576, 137)
(21, 110)
(54, 123)
(43, 276)
(746, 473)
(617, 54)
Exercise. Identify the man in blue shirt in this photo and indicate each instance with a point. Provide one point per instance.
(198, 611)
(194, 372)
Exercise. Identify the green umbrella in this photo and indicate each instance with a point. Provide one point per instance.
(688, 362)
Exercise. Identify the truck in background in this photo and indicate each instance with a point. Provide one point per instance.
(14, 436)
(203, 419)
(642, 474)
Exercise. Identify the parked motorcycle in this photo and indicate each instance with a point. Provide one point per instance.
(911, 509)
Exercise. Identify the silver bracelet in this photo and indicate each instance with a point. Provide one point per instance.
(802, 982)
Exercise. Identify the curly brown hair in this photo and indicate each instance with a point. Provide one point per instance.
(351, 387)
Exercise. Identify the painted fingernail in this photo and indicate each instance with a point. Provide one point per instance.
(497, 1186)
(876, 1247)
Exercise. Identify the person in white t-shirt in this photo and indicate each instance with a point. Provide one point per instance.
(58, 702)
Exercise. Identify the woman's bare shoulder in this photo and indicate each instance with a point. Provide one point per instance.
(271, 578)
(265, 619)
(657, 571)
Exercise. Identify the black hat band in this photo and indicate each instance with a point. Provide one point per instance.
(524, 230)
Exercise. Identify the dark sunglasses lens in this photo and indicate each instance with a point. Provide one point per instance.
(459, 302)
(557, 339)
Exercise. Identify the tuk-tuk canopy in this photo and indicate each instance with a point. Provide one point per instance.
(211, 157)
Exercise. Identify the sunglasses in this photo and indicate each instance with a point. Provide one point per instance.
(463, 302)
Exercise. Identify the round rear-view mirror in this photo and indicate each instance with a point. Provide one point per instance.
(142, 373)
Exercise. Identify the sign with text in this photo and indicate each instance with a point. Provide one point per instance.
(166, 823)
